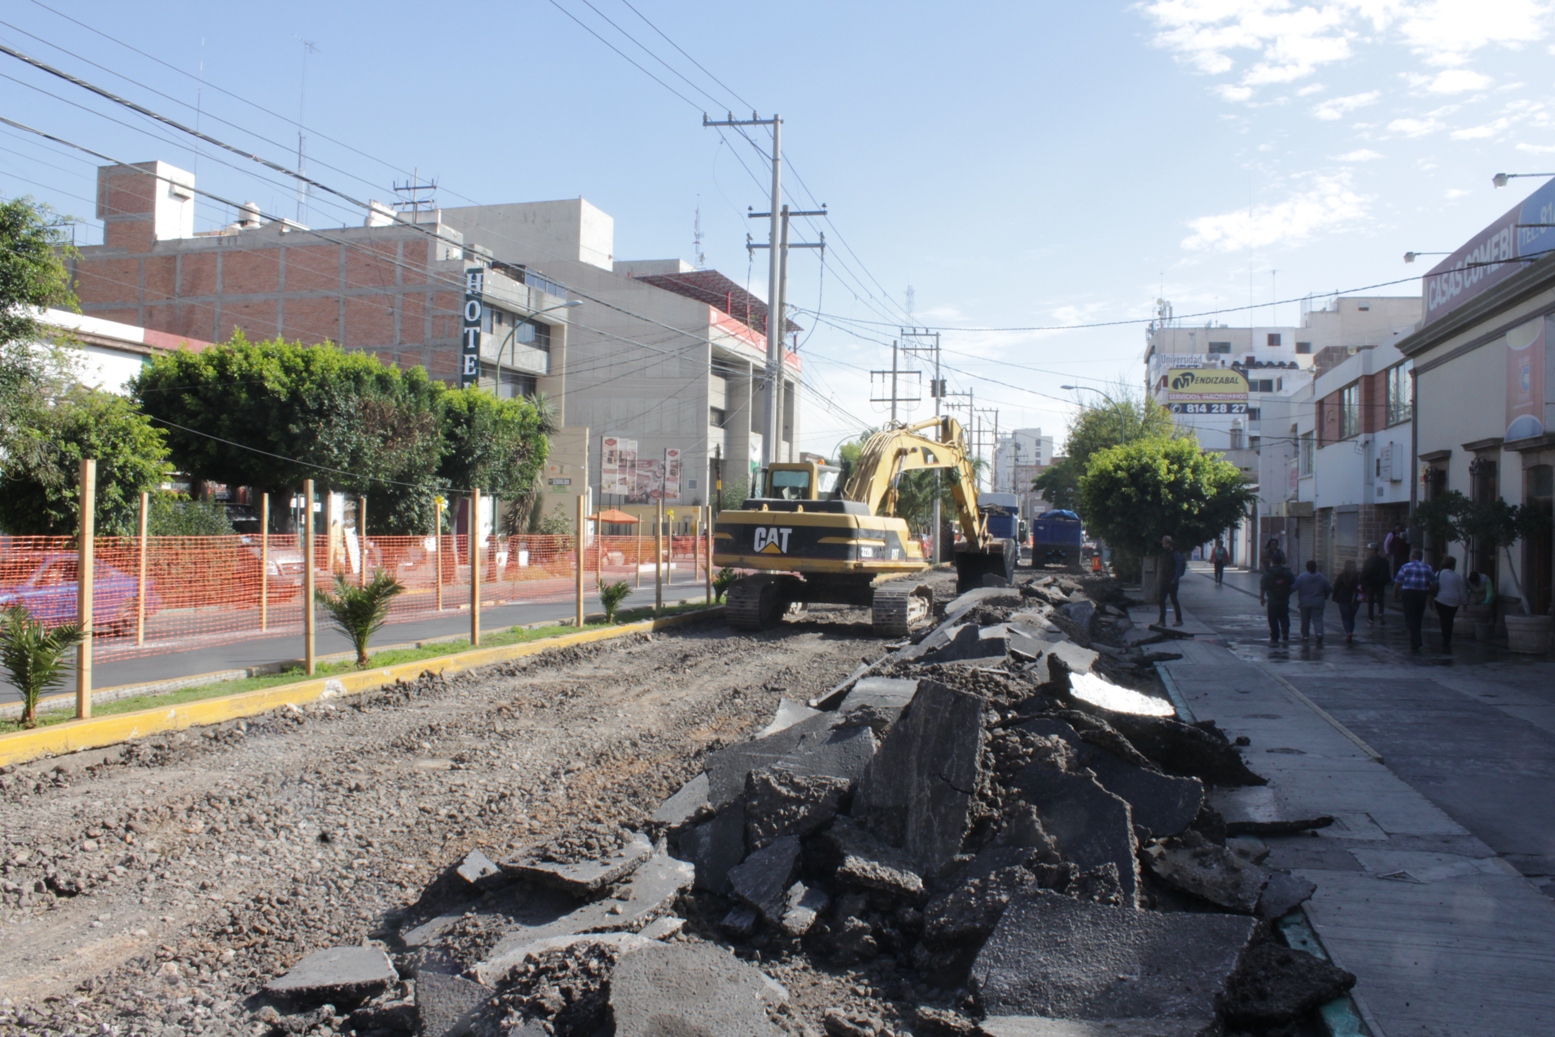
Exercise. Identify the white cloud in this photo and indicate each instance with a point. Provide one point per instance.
(1537, 149)
(1363, 155)
(1445, 32)
(1415, 127)
(1489, 129)
(1228, 92)
(1310, 89)
(1338, 107)
(1330, 203)
(1457, 81)
(1457, 192)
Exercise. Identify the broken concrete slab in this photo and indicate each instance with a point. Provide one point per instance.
(1071, 657)
(480, 871)
(687, 989)
(585, 878)
(763, 879)
(1276, 985)
(865, 863)
(1059, 958)
(1210, 872)
(688, 805)
(446, 1005)
(715, 846)
(1037, 1026)
(990, 596)
(1092, 826)
(1161, 803)
(532, 907)
(789, 713)
(340, 976)
(916, 793)
(1081, 613)
(830, 744)
(778, 803)
(1258, 811)
(740, 922)
(802, 907)
(1282, 894)
(969, 642)
(881, 693)
(970, 911)
(662, 928)
(644, 896)
(1191, 750)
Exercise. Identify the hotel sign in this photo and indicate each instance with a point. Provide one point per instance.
(470, 343)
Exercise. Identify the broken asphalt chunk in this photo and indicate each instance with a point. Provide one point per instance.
(829, 744)
(1276, 985)
(715, 846)
(1092, 826)
(917, 792)
(788, 714)
(1161, 803)
(446, 1005)
(762, 880)
(1258, 811)
(778, 803)
(802, 907)
(340, 976)
(479, 871)
(585, 878)
(1058, 958)
(1210, 872)
(865, 863)
(883, 693)
(1184, 749)
(1282, 894)
(1037, 1026)
(690, 804)
(690, 988)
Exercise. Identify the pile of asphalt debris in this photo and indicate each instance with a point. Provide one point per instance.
(1000, 823)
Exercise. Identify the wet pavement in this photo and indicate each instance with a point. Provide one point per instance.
(1434, 883)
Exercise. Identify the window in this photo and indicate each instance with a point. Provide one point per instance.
(1398, 392)
(1220, 347)
(1263, 385)
(1254, 414)
(790, 484)
(1279, 385)
(1253, 442)
(1274, 338)
(1350, 410)
(1304, 453)
(716, 417)
(1303, 347)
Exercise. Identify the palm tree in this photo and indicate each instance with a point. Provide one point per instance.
(611, 595)
(360, 612)
(33, 657)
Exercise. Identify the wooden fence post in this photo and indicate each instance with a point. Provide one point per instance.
(709, 554)
(140, 571)
(578, 575)
(473, 547)
(437, 546)
(361, 541)
(658, 557)
(84, 563)
(264, 561)
(308, 579)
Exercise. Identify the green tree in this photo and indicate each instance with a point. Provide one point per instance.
(175, 515)
(271, 414)
(33, 275)
(40, 497)
(496, 445)
(1134, 494)
(1119, 419)
(360, 612)
(33, 656)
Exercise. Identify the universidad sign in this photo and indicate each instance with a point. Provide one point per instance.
(1525, 233)
(1206, 390)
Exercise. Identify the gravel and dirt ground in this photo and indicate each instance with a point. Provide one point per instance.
(154, 887)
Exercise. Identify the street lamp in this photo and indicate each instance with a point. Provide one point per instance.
(1500, 179)
(1122, 419)
(1410, 257)
(512, 336)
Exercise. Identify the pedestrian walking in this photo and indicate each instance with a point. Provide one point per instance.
(1375, 577)
(1170, 567)
(1396, 546)
(1347, 595)
(1312, 591)
(1272, 555)
(1220, 556)
(1274, 592)
(1452, 593)
(1414, 584)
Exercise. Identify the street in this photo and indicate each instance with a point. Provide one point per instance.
(1435, 881)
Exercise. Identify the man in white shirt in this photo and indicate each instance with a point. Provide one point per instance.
(1452, 593)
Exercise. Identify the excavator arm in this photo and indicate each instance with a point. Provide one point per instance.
(891, 452)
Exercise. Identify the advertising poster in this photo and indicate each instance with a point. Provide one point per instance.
(1206, 390)
(627, 479)
(1525, 375)
(609, 464)
(648, 477)
(672, 475)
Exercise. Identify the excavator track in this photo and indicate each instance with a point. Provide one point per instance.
(899, 606)
(756, 602)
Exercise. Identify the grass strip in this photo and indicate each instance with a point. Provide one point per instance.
(388, 657)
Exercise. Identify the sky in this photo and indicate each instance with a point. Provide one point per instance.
(1025, 168)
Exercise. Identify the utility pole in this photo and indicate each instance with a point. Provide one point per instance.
(993, 475)
(308, 47)
(775, 383)
(911, 337)
(894, 374)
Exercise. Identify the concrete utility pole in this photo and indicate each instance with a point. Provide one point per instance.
(777, 243)
(910, 338)
(894, 374)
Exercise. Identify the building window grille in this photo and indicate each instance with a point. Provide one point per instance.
(1305, 451)
(1350, 410)
(1398, 392)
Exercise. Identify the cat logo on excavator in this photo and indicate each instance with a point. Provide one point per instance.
(771, 540)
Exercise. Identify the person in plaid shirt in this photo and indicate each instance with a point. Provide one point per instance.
(1414, 582)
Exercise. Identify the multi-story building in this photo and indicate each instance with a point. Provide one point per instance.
(653, 367)
(1018, 458)
(1241, 389)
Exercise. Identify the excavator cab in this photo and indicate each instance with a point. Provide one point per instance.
(801, 481)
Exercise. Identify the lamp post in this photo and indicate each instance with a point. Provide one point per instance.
(512, 336)
(1122, 419)
(1410, 257)
(1500, 179)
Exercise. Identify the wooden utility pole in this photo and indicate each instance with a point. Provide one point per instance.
(473, 546)
(309, 580)
(84, 563)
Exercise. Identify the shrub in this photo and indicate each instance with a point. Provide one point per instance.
(721, 582)
(611, 595)
(360, 612)
(33, 656)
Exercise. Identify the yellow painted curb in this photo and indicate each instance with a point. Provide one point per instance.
(76, 735)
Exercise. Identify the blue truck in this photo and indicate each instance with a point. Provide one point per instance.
(1056, 537)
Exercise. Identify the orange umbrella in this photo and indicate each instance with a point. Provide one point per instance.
(615, 517)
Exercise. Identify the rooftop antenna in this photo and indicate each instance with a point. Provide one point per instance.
(415, 197)
(910, 303)
(308, 47)
(696, 237)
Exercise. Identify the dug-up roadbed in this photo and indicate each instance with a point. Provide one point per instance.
(995, 827)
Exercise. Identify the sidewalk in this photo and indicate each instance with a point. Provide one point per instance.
(1429, 882)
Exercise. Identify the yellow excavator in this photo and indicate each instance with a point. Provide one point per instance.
(813, 541)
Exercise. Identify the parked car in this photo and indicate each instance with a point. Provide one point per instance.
(284, 571)
(48, 592)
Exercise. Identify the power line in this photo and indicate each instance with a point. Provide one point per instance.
(688, 57)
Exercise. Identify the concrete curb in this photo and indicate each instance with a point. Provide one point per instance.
(97, 732)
